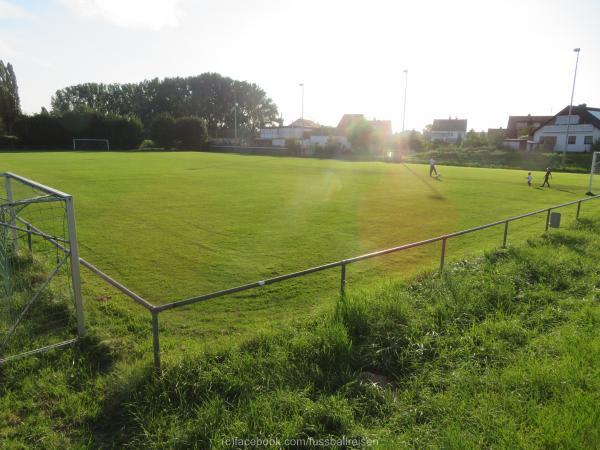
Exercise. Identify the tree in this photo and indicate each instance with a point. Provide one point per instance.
(190, 132)
(10, 104)
(360, 133)
(209, 96)
(162, 130)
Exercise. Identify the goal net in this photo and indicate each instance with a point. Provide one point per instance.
(40, 297)
(593, 171)
(91, 144)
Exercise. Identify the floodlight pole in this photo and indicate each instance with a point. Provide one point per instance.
(405, 90)
(564, 155)
(235, 120)
(302, 116)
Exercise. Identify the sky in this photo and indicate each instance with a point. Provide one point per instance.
(475, 60)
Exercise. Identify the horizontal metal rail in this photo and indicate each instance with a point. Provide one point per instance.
(245, 287)
(129, 293)
(39, 350)
(135, 297)
(344, 262)
(35, 184)
(33, 231)
(28, 201)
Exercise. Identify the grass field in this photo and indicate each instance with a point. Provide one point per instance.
(173, 225)
(501, 351)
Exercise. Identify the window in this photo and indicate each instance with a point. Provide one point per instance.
(572, 139)
(588, 140)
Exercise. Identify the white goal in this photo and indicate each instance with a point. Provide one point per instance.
(91, 144)
(593, 171)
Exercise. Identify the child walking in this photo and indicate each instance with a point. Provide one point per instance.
(529, 179)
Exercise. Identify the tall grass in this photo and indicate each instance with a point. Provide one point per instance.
(499, 351)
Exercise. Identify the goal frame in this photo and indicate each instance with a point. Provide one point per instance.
(15, 225)
(106, 141)
(595, 160)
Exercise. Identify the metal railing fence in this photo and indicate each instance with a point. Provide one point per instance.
(155, 310)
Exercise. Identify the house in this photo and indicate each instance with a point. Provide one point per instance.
(523, 126)
(382, 127)
(311, 135)
(448, 130)
(276, 136)
(584, 130)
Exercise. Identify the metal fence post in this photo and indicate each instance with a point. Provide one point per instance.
(343, 279)
(443, 256)
(548, 218)
(505, 234)
(155, 340)
(13, 215)
(578, 209)
(75, 273)
(29, 238)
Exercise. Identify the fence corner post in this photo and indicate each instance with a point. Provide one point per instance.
(443, 255)
(578, 209)
(155, 340)
(548, 218)
(343, 279)
(505, 234)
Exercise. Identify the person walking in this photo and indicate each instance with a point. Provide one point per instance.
(432, 168)
(547, 176)
(529, 179)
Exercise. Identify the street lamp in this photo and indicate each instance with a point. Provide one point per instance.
(235, 120)
(405, 89)
(564, 157)
(302, 117)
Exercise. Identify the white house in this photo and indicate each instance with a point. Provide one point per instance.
(450, 130)
(584, 130)
(298, 130)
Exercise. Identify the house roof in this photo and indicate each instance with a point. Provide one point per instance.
(588, 115)
(303, 123)
(512, 129)
(383, 126)
(449, 125)
(346, 120)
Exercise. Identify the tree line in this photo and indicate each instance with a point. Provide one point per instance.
(219, 100)
(10, 105)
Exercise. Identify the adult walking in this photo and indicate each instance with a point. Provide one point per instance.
(547, 176)
(432, 168)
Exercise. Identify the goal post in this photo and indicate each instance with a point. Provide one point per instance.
(41, 303)
(593, 171)
(91, 144)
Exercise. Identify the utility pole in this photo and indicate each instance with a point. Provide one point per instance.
(302, 116)
(405, 90)
(564, 156)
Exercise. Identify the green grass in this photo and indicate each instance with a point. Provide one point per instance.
(500, 351)
(173, 225)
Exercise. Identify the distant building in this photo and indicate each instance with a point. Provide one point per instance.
(297, 130)
(311, 135)
(384, 127)
(524, 126)
(499, 133)
(584, 130)
(448, 130)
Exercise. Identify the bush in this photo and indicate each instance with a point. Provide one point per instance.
(190, 132)
(162, 130)
(125, 132)
(9, 142)
(41, 130)
(55, 131)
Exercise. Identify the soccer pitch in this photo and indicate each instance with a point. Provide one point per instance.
(174, 225)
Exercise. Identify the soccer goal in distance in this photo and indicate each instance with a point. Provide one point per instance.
(593, 171)
(91, 144)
